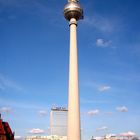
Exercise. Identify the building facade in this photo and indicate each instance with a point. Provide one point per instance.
(5, 131)
(51, 137)
(58, 121)
(36, 138)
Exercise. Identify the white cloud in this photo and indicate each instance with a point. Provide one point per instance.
(122, 109)
(91, 84)
(6, 83)
(36, 131)
(5, 110)
(128, 134)
(42, 113)
(1, 86)
(102, 43)
(108, 113)
(101, 23)
(94, 101)
(102, 128)
(23, 105)
(98, 86)
(32, 7)
(98, 138)
(18, 138)
(93, 112)
(104, 88)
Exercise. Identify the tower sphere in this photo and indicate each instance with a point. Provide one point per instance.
(73, 10)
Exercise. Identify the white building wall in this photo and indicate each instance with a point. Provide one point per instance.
(58, 122)
(51, 137)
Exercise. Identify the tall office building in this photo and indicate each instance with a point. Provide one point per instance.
(58, 121)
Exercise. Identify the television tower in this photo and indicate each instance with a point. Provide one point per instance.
(73, 12)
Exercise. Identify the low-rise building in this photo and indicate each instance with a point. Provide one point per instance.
(36, 138)
(55, 137)
(51, 137)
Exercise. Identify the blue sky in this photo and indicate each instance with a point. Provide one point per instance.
(34, 56)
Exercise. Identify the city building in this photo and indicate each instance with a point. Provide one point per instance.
(51, 137)
(58, 121)
(5, 131)
(117, 137)
(55, 137)
(36, 138)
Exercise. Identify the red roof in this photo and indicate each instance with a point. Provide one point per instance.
(2, 132)
(5, 131)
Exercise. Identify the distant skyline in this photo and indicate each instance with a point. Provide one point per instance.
(34, 58)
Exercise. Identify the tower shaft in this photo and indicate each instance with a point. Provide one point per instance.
(73, 12)
(73, 100)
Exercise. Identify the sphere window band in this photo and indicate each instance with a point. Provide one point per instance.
(73, 0)
(73, 10)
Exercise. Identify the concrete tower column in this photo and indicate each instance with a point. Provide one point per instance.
(73, 12)
(73, 99)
